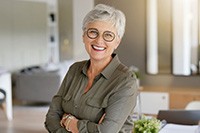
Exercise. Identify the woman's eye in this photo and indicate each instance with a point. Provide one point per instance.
(108, 35)
(93, 33)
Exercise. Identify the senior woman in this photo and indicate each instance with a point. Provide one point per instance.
(99, 94)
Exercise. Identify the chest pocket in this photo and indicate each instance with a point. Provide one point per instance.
(95, 107)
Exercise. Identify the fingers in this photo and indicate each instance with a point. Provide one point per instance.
(62, 121)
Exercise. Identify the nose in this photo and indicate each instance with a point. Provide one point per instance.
(100, 39)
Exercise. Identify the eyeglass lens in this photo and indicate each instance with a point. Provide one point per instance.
(93, 33)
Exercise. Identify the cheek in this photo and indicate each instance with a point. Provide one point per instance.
(114, 46)
(85, 41)
(117, 43)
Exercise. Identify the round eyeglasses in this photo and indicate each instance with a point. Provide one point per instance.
(93, 33)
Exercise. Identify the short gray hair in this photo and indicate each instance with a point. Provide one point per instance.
(103, 12)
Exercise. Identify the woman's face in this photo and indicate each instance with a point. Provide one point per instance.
(100, 39)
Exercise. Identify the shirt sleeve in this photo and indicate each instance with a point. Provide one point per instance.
(120, 105)
(55, 112)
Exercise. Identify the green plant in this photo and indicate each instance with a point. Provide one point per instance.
(135, 71)
(146, 125)
(137, 74)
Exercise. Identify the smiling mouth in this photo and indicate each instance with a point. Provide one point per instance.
(98, 48)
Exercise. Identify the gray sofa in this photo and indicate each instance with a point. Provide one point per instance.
(39, 84)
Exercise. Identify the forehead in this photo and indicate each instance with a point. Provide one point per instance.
(101, 26)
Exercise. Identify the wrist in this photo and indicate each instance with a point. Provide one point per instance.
(64, 118)
(68, 121)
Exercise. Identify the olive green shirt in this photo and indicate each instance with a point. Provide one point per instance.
(113, 92)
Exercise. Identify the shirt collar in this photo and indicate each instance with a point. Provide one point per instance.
(110, 68)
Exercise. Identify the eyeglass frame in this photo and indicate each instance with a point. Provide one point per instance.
(98, 34)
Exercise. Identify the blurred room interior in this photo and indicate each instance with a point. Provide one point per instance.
(40, 39)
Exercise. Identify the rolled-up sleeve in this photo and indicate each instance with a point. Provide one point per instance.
(53, 116)
(55, 112)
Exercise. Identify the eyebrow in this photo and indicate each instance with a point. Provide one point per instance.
(103, 31)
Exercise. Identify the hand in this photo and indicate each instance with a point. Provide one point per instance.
(64, 117)
(69, 124)
(73, 125)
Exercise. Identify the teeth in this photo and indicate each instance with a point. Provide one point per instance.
(98, 48)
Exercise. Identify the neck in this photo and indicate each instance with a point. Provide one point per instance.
(97, 67)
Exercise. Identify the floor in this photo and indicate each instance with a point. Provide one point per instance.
(27, 119)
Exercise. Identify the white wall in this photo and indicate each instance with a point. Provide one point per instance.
(23, 34)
